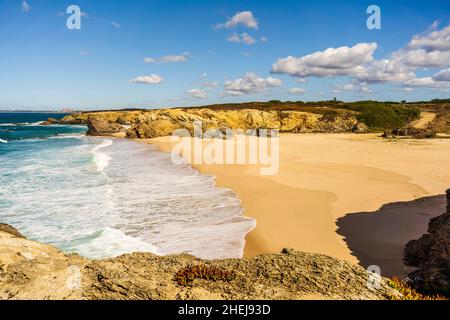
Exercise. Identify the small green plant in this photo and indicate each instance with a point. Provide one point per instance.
(187, 275)
(409, 293)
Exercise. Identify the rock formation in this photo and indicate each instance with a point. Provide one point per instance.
(30, 270)
(98, 126)
(157, 123)
(431, 254)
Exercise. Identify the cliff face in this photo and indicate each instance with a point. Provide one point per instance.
(30, 270)
(431, 254)
(157, 123)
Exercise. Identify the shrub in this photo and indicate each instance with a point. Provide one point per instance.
(186, 276)
(409, 293)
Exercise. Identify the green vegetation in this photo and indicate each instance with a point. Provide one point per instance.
(381, 116)
(186, 276)
(378, 116)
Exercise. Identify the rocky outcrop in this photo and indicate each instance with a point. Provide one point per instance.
(30, 270)
(98, 126)
(157, 123)
(11, 230)
(431, 254)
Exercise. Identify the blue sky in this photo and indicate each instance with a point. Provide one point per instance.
(147, 53)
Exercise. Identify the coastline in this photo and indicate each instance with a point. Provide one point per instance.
(299, 207)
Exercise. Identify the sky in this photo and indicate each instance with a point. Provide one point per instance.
(147, 53)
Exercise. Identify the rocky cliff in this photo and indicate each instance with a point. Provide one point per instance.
(431, 254)
(157, 123)
(30, 270)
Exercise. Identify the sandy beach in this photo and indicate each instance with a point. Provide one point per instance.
(324, 177)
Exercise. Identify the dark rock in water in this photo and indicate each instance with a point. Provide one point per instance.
(11, 230)
(50, 121)
(99, 127)
(431, 254)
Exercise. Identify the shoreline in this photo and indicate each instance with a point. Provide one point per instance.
(299, 207)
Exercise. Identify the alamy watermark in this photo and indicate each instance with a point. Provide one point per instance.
(228, 146)
(374, 20)
(373, 277)
(73, 22)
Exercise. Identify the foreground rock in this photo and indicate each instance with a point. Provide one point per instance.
(30, 270)
(431, 254)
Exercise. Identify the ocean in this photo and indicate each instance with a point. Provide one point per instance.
(102, 197)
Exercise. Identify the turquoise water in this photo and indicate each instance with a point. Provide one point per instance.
(102, 197)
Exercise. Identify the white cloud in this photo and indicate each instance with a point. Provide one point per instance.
(434, 40)
(25, 6)
(263, 39)
(296, 90)
(203, 75)
(84, 53)
(244, 18)
(443, 75)
(198, 93)
(115, 24)
(169, 58)
(352, 86)
(421, 58)
(210, 85)
(342, 61)
(386, 70)
(151, 79)
(149, 60)
(426, 82)
(245, 54)
(244, 38)
(250, 83)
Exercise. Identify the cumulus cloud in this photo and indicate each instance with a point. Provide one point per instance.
(198, 93)
(151, 79)
(241, 38)
(25, 6)
(250, 83)
(443, 75)
(168, 59)
(385, 70)
(342, 61)
(244, 18)
(434, 40)
(296, 90)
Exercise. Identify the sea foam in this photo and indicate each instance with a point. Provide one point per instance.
(137, 200)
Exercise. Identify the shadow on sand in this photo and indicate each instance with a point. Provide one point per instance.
(379, 237)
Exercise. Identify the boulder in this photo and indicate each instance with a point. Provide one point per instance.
(431, 254)
(98, 127)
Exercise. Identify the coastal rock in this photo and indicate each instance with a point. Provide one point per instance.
(162, 122)
(50, 121)
(11, 230)
(30, 270)
(98, 126)
(431, 254)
